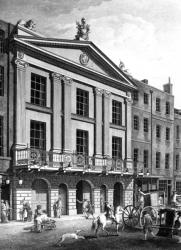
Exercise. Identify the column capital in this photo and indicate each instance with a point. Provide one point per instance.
(98, 91)
(56, 76)
(107, 94)
(129, 98)
(21, 64)
(67, 80)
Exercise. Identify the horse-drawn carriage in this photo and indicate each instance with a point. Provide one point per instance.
(133, 215)
(166, 219)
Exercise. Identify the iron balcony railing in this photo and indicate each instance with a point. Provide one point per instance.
(35, 158)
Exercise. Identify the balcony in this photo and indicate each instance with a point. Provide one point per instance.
(32, 159)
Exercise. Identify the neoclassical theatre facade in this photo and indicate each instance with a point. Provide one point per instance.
(71, 119)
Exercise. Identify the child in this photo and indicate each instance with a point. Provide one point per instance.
(147, 225)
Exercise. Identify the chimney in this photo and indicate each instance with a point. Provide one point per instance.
(145, 81)
(168, 87)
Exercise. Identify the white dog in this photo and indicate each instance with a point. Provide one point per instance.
(70, 236)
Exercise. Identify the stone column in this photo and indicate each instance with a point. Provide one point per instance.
(106, 117)
(72, 201)
(128, 121)
(96, 201)
(67, 114)
(98, 124)
(57, 112)
(20, 136)
(110, 196)
(54, 197)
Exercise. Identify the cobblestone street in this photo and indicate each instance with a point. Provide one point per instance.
(17, 236)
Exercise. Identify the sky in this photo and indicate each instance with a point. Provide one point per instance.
(144, 34)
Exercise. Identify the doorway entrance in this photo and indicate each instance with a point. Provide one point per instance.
(118, 195)
(83, 191)
(40, 194)
(63, 196)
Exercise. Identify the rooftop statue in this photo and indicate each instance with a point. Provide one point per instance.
(30, 24)
(83, 30)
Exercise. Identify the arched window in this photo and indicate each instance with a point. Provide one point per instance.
(1, 41)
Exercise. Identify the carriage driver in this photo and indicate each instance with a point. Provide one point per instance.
(174, 197)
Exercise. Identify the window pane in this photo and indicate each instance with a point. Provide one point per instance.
(38, 90)
(116, 147)
(38, 135)
(82, 142)
(116, 112)
(1, 136)
(82, 102)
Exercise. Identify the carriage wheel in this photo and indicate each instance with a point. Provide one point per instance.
(153, 213)
(131, 216)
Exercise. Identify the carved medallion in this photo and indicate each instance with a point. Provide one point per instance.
(84, 59)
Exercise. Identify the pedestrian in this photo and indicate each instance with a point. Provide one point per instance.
(3, 212)
(55, 209)
(7, 209)
(147, 225)
(59, 207)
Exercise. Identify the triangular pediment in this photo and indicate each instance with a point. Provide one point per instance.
(82, 53)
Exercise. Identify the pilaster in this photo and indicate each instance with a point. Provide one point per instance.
(110, 196)
(57, 112)
(20, 102)
(97, 201)
(98, 125)
(67, 113)
(72, 201)
(106, 116)
(128, 149)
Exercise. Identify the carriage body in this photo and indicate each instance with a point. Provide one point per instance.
(169, 222)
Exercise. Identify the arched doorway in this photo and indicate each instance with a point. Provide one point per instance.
(40, 195)
(118, 195)
(103, 197)
(83, 191)
(63, 196)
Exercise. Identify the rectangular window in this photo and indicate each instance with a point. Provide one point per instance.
(167, 161)
(177, 132)
(135, 156)
(82, 102)
(135, 95)
(167, 108)
(116, 112)
(38, 135)
(177, 162)
(116, 147)
(158, 131)
(145, 121)
(1, 136)
(158, 108)
(167, 134)
(145, 158)
(136, 122)
(158, 156)
(2, 36)
(163, 186)
(1, 81)
(38, 90)
(145, 98)
(82, 142)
